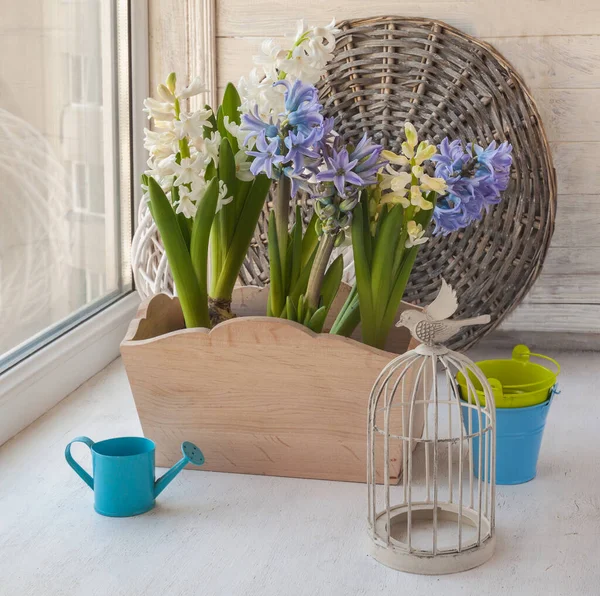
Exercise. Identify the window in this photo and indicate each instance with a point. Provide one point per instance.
(65, 167)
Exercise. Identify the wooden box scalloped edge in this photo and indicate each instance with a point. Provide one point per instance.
(258, 395)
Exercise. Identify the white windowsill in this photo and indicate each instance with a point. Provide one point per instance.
(38, 383)
(224, 534)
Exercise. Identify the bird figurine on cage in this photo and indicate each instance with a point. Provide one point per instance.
(433, 325)
(442, 517)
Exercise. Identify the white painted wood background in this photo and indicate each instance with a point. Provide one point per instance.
(553, 44)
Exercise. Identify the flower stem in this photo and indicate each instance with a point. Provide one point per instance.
(317, 273)
(282, 214)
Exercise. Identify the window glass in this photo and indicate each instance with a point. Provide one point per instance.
(60, 204)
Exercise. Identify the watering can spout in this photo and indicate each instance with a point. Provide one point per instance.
(191, 454)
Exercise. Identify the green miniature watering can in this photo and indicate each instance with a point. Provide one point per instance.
(123, 473)
(516, 383)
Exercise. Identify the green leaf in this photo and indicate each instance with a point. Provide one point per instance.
(301, 308)
(276, 288)
(302, 283)
(220, 125)
(331, 281)
(288, 261)
(318, 320)
(368, 239)
(383, 259)
(231, 102)
(310, 240)
(308, 313)
(269, 309)
(242, 236)
(352, 296)
(291, 313)
(388, 318)
(216, 264)
(348, 322)
(194, 303)
(185, 226)
(296, 249)
(211, 171)
(208, 130)
(363, 277)
(227, 212)
(201, 232)
(229, 107)
(241, 193)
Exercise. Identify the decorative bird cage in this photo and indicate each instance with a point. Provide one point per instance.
(440, 517)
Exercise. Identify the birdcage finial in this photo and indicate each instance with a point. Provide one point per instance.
(432, 325)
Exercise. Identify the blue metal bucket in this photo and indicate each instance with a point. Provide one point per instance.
(519, 433)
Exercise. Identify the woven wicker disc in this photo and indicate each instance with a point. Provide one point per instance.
(387, 70)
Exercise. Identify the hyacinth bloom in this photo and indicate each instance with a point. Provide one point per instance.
(191, 156)
(300, 146)
(475, 177)
(266, 156)
(290, 145)
(339, 171)
(253, 126)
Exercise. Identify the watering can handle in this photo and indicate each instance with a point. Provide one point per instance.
(78, 469)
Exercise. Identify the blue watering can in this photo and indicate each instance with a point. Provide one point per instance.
(123, 473)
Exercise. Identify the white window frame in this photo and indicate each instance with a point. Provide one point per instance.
(38, 382)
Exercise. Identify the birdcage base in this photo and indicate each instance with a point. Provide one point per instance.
(420, 558)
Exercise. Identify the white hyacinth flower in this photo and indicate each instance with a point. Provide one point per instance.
(310, 51)
(160, 143)
(318, 54)
(424, 152)
(418, 200)
(327, 33)
(435, 184)
(159, 110)
(162, 167)
(416, 234)
(223, 199)
(411, 134)
(270, 58)
(189, 169)
(194, 88)
(242, 167)
(417, 171)
(233, 128)
(211, 148)
(398, 160)
(301, 66)
(192, 125)
(166, 94)
(249, 89)
(186, 205)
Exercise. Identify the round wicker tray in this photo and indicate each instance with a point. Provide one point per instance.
(387, 70)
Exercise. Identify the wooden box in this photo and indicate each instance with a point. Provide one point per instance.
(258, 395)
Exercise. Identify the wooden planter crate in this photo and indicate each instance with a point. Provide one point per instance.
(258, 395)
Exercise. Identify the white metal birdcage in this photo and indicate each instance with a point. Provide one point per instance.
(440, 517)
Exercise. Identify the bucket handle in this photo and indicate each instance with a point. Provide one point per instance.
(521, 353)
(550, 360)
